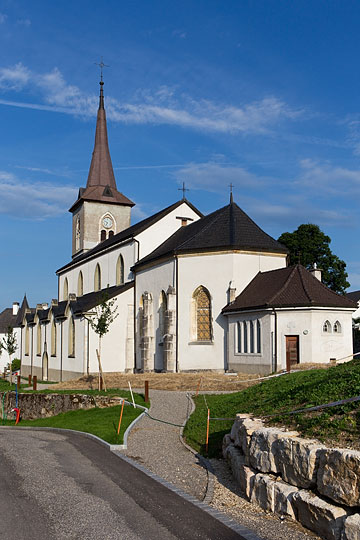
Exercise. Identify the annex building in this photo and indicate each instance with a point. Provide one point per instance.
(193, 292)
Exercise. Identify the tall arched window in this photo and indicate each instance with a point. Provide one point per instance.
(66, 290)
(239, 338)
(203, 314)
(103, 235)
(327, 327)
(77, 234)
(53, 338)
(245, 334)
(258, 337)
(71, 336)
(97, 278)
(162, 310)
(252, 340)
(27, 340)
(120, 271)
(38, 339)
(80, 287)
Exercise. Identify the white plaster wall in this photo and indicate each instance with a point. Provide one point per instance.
(214, 271)
(155, 235)
(154, 280)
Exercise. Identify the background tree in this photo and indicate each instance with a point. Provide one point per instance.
(308, 245)
(9, 344)
(101, 319)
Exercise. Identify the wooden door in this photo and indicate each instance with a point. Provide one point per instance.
(292, 351)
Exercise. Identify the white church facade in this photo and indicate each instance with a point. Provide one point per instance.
(177, 280)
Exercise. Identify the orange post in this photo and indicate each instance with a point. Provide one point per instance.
(122, 408)
(207, 432)
(146, 391)
(198, 387)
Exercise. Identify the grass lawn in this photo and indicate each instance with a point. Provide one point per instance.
(100, 422)
(138, 398)
(5, 386)
(276, 396)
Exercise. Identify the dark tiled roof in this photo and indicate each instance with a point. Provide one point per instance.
(7, 319)
(30, 316)
(129, 233)
(59, 310)
(43, 314)
(226, 228)
(90, 300)
(293, 286)
(354, 295)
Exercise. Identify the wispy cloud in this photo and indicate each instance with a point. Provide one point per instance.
(327, 179)
(33, 200)
(24, 22)
(3, 18)
(163, 106)
(65, 174)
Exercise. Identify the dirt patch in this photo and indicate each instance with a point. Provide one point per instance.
(205, 381)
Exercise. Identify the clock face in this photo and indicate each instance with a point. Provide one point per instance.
(107, 222)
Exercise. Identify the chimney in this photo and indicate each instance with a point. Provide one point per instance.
(45, 305)
(15, 308)
(54, 302)
(72, 297)
(231, 292)
(316, 272)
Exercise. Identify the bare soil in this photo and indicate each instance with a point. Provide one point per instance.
(192, 382)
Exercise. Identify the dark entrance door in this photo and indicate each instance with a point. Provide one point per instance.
(292, 351)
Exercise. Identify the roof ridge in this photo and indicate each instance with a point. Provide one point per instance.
(210, 222)
(300, 268)
(272, 299)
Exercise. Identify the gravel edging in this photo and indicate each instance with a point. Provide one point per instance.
(209, 493)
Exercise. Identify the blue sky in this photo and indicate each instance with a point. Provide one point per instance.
(261, 94)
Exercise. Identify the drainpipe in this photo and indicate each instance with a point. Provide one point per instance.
(177, 313)
(61, 348)
(32, 349)
(275, 338)
(88, 347)
(135, 305)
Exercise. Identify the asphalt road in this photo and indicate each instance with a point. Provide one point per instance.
(66, 486)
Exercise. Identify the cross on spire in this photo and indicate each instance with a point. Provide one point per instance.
(101, 66)
(231, 185)
(183, 189)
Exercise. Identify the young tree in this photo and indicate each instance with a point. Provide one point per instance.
(308, 245)
(101, 319)
(9, 344)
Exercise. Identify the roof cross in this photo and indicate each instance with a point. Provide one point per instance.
(101, 66)
(183, 189)
(231, 187)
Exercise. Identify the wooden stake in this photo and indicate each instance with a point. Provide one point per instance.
(34, 382)
(18, 381)
(121, 413)
(146, 391)
(132, 395)
(207, 432)
(29, 380)
(101, 371)
(198, 387)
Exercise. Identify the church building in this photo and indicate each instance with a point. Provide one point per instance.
(192, 292)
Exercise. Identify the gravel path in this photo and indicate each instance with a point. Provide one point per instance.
(157, 446)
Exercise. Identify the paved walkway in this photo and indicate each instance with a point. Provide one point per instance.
(157, 446)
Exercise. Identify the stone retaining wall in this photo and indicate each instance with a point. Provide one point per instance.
(295, 477)
(45, 405)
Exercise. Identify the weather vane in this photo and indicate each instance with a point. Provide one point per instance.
(101, 66)
(183, 189)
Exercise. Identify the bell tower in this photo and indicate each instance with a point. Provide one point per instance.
(100, 210)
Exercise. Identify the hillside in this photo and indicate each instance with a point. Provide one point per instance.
(337, 426)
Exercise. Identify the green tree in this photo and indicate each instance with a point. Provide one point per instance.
(101, 319)
(9, 344)
(308, 245)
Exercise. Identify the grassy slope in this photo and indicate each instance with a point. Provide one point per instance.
(282, 394)
(100, 422)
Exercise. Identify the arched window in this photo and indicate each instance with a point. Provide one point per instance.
(97, 278)
(27, 341)
(66, 290)
(53, 338)
(77, 234)
(111, 233)
(252, 340)
(162, 310)
(245, 333)
(120, 271)
(327, 327)
(239, 338)
(258, 337)
(38, 339)
(103, 235)
(203, 314)
(337, 328)
(80, 287)
(71, 337)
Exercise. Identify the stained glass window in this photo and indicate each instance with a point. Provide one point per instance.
(203, 315)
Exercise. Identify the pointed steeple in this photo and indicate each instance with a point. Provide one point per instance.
(101, 184)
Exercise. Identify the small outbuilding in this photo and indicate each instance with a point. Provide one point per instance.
(286, 317)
